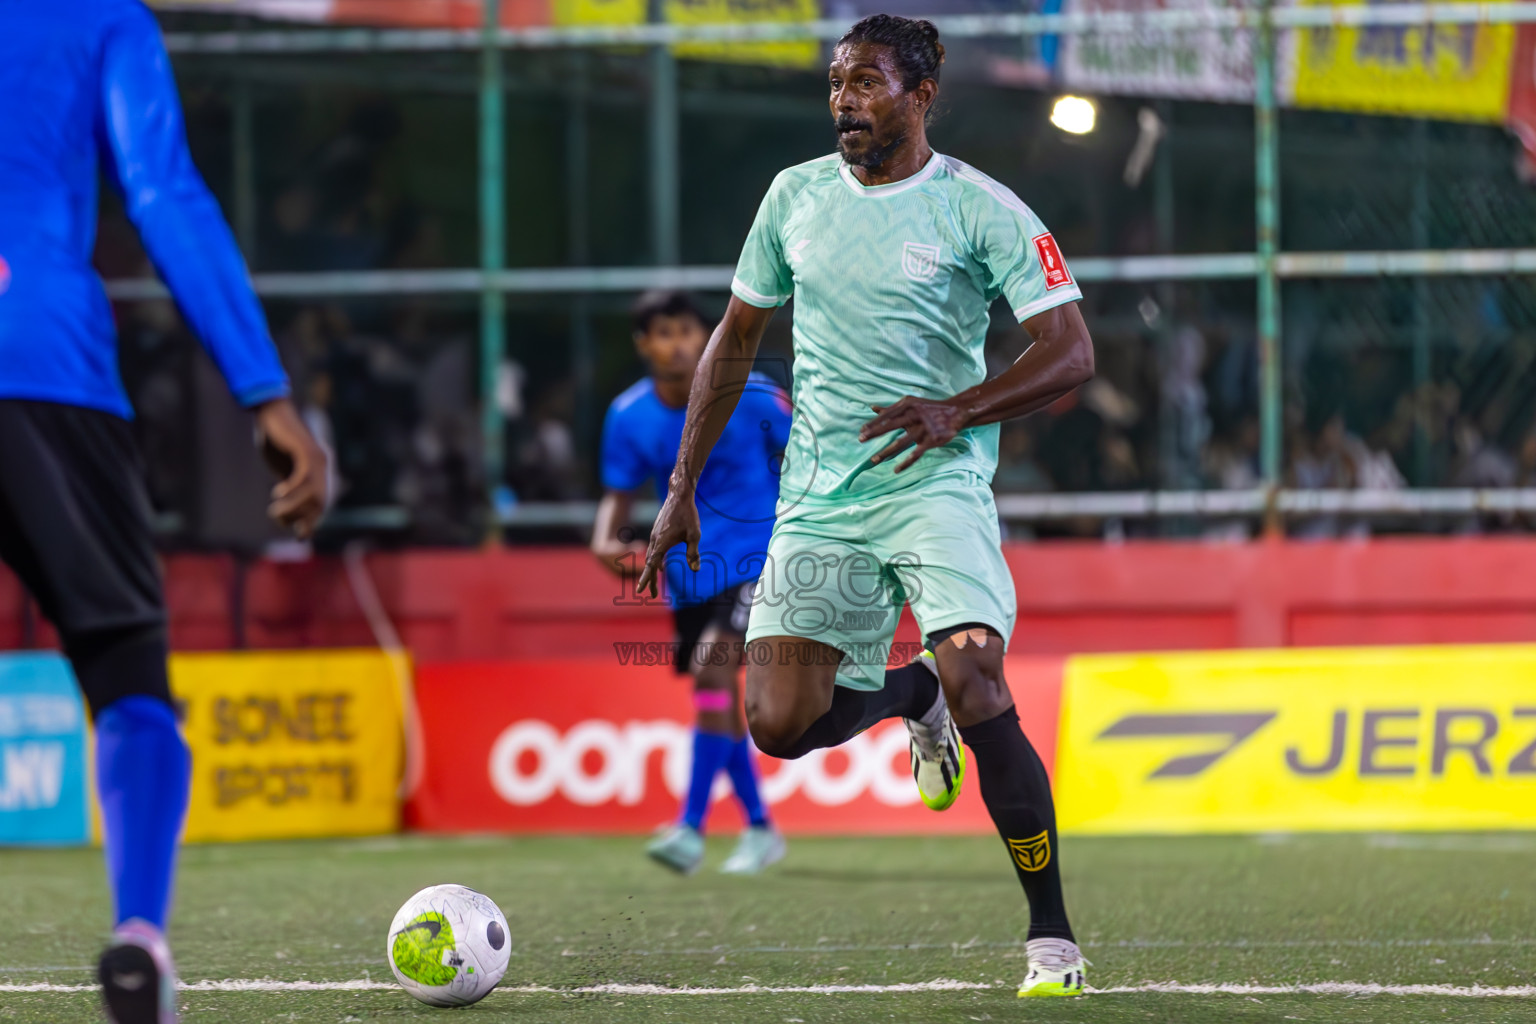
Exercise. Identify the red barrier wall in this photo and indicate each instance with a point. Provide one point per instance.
(1073, 597)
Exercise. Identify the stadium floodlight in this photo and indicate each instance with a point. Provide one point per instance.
(1074, 114)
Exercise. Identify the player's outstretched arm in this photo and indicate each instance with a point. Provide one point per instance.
(144, 145)
(618, 556)
(717, 386)
(144, 148)
(1060, 359)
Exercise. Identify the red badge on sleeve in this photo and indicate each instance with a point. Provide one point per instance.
(1055, 267)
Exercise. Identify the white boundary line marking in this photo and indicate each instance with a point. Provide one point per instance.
(956, 947)
(1327, 988)
(964, 947)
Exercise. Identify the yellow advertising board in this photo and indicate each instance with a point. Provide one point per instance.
(1457, 72)
(598, 12)
(1303, 739)
(798, 54)
(290, 744)
(804, 53)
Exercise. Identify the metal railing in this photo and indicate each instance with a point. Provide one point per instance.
(1252, 504)
(1267, 265)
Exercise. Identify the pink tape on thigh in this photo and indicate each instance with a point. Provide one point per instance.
(712, 700)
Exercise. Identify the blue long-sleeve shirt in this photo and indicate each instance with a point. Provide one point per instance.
(85, 86)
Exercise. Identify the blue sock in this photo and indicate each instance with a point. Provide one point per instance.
(743, 771)
(143, 774)
(710, 749)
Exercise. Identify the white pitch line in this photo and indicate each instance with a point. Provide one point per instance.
(965, 947)
(1327, 988)
(961, 947)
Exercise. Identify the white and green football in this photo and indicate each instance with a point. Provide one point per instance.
(449, 945)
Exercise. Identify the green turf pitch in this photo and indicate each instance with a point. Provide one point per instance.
(1270, 912)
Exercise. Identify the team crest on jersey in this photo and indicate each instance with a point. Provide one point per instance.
(919, 262)
(1031, 854)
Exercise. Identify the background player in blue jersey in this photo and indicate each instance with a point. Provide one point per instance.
(88, 90)
(737, 493)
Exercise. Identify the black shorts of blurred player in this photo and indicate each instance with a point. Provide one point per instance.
(75, 528)
(710, 638)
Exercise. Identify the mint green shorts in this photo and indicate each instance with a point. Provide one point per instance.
(840, 573)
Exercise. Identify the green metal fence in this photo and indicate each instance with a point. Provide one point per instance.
(1266, 266)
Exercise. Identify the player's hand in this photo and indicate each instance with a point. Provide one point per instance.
(676, 523)
(300, 497)
(924, 424)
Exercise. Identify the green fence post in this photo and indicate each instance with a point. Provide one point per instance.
(493, 327)
(1418, 473)
(243, 132)
(664, 168)
(1267, 223)
(578, 225)
(661, 145)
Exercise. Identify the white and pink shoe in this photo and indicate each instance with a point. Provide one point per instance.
(138, 978)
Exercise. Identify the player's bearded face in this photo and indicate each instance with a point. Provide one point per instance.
(873, 114)
(863, 144)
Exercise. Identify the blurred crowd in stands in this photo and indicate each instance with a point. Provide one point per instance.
(393, 393)
(391, 385)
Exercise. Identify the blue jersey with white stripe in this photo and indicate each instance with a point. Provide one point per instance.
(737, 491)
(85, 88)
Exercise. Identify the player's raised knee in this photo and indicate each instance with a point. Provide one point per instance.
(974, 687)
(776, 730)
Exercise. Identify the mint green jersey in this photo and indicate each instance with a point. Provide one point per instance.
(892, 286)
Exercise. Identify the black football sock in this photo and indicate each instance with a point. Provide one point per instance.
(1017, 793)
(909, 692)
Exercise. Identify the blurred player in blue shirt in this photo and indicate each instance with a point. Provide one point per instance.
(88, 91)
(737, 494)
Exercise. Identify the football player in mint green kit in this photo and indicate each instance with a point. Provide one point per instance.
(893, 254)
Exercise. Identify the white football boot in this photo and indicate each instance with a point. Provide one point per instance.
(678, 847)
(1055, 969)
(938, 759)
(758, 847)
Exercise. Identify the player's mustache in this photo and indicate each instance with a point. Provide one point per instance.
(849, 123)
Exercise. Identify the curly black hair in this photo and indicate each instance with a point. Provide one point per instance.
(914, 44)
(663, 302)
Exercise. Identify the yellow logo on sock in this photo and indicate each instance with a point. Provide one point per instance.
(1031, 854)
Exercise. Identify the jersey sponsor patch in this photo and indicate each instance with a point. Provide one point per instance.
(1051, 262)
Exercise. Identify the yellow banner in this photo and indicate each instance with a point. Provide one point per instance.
(290, 743)
(598, 12)
(802, 54)
(1318, 739)
(1458, 72)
